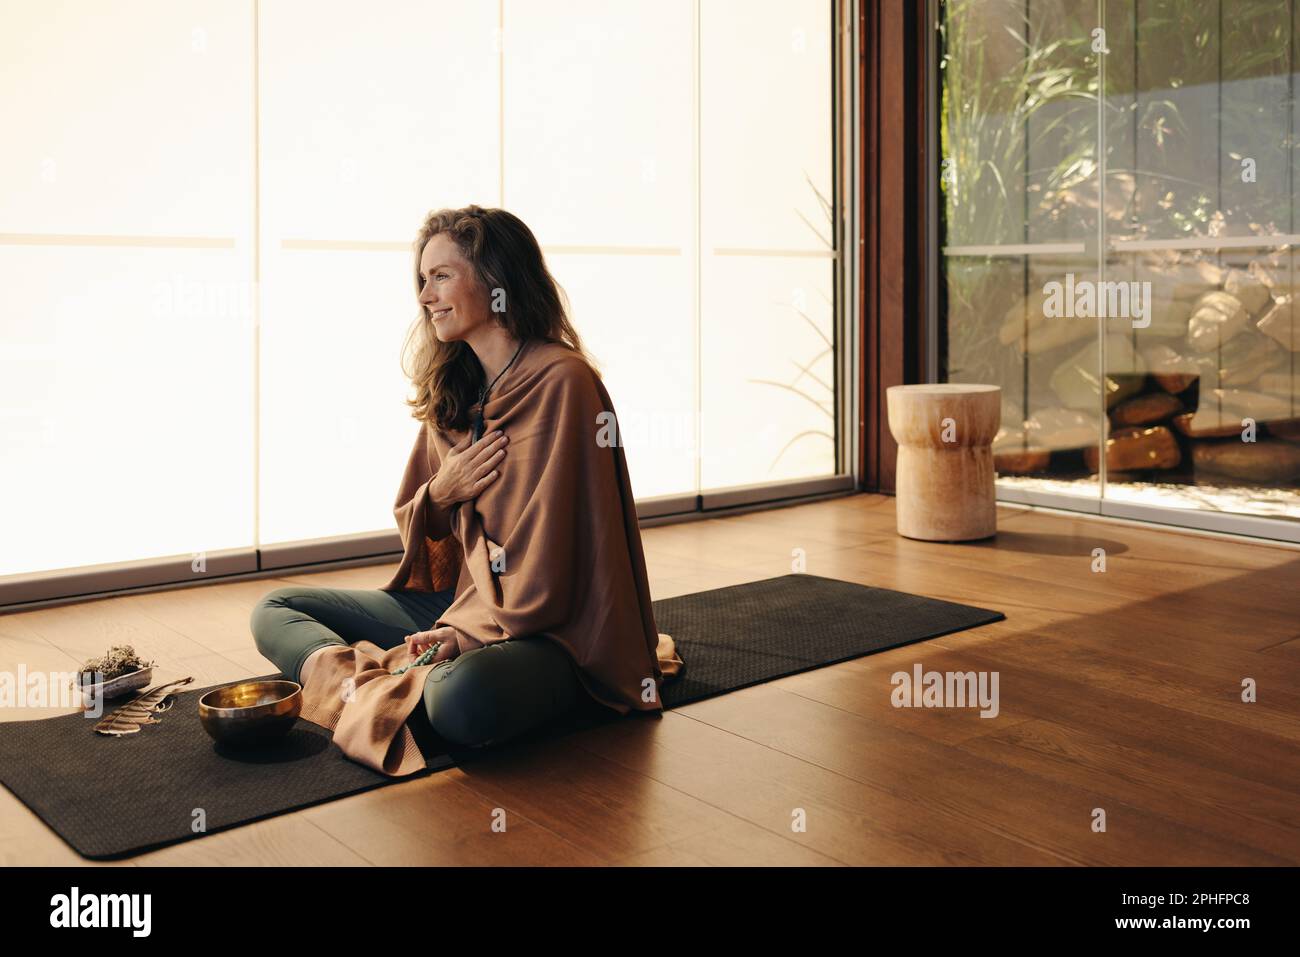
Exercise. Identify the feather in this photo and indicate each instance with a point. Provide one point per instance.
(140, 710)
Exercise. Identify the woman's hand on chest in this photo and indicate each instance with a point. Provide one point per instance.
(468, 468)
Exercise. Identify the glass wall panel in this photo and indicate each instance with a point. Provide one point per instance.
(600, 161)
(1019, 219)
(644, 344)
(767, 266)
(368, 122)
(205, 229)
(126, 392)
(1176, 186)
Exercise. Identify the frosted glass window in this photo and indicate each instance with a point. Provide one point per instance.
(767, 268)
(373, 116)
(334, 427)
(127, 118)
(126, 398)
(368, 123)
(127, 406)
(646, 354)
(599, 140)
(206, 266)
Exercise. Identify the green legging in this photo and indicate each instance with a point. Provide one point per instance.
(483, 696)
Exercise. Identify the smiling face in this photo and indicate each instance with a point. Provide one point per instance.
(451, 293)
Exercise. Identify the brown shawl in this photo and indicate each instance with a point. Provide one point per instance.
(560, 523)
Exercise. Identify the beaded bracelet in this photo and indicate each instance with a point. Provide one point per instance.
(424, 658)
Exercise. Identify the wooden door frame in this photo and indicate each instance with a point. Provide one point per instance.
(893, 246)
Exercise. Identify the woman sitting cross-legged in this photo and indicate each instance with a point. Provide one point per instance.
(522, 589)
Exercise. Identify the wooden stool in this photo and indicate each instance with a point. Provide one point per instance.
(944, 480)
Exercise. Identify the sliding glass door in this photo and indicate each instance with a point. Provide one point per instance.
(1116, 196)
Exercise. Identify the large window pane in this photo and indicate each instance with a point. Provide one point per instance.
(646, 352)
(599, 161)
(126, 398)
(767, 269)
(332, 417)
(368, 122)
(1191, 383)
(1019, 133)
(205, 247)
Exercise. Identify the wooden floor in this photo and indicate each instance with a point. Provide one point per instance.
(1118, 690)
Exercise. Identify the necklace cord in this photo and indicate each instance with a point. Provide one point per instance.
(483, 393)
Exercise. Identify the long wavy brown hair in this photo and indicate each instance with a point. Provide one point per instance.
(447, 376)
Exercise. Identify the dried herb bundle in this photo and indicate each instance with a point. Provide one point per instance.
(119, 660)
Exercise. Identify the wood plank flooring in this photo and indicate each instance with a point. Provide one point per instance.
(1119, 690)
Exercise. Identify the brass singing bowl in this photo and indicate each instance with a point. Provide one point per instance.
(251, 712)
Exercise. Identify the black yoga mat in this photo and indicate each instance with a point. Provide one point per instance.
(110, 797)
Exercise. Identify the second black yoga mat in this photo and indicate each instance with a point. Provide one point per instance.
(730, 638)
(109, 798)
